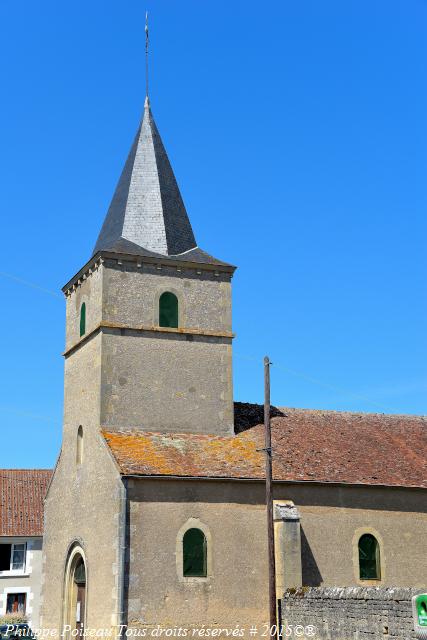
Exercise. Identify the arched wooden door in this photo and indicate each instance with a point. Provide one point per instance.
(80, 591)
(75, 596)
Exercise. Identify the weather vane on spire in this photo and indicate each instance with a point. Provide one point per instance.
(146, 54)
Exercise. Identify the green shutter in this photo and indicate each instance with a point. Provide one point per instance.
(168, 310)
(194, 554)
(369, 558)
(83, 319)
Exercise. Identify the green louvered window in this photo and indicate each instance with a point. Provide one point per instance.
(194, 554)
(168, 310)
(83, 319)
(369, 558)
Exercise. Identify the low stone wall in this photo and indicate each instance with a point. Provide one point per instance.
(349, 613)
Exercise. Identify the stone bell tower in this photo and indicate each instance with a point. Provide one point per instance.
(148, 340)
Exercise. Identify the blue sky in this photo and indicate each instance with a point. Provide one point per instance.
(297, 132)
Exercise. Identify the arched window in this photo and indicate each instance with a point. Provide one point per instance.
(168, 310)
(83, 319)
(79, 449)
(369, 558)
(194, 554)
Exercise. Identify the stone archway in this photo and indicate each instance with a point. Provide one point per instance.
(75, 592)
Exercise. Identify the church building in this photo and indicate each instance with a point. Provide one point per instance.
(156, 510)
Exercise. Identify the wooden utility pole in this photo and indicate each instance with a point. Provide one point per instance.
(269, 498)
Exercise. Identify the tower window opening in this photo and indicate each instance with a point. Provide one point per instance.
(168, 310)
(79, 448)
(369, 558)
(83, 319)
(194, 554)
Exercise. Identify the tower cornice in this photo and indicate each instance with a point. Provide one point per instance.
(198, 264)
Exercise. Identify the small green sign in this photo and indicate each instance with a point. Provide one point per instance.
(421, 606)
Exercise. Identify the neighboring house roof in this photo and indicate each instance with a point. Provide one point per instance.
(22, 492)
(147, 215)
(308, 445)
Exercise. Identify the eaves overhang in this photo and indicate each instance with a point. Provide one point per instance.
(276, 482)
(155, 259)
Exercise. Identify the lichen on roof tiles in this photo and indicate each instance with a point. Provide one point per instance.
(316, 446)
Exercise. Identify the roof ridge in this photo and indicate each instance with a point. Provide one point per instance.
(354, 413)
(335, 411)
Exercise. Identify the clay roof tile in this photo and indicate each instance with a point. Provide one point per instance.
(317, 446)
(22, 493)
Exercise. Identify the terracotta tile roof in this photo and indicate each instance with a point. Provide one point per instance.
(309, 445)
(22, 492)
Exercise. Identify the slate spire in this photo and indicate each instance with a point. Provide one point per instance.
(147, 209)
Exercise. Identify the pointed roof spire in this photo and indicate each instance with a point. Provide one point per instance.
(147, 215)
(147, 208)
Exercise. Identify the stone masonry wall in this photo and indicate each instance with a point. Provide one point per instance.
(171, 381)
(356, 613)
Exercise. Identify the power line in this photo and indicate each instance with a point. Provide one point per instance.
(251, 358)
(33, 285)
(28, 414)
(308, 378)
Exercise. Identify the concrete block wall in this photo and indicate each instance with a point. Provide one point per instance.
(356, 613)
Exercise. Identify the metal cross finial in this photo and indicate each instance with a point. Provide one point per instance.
(146, 54)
